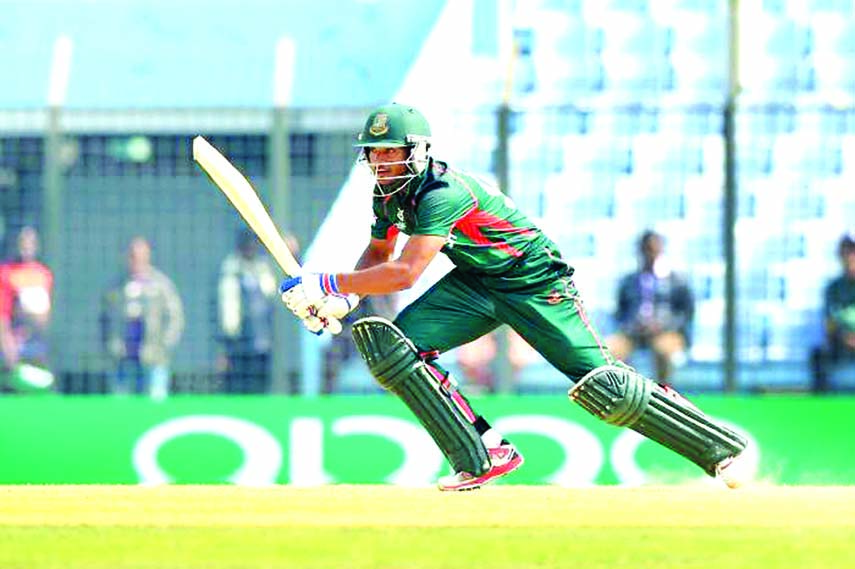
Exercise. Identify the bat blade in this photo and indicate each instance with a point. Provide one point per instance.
(245, 200)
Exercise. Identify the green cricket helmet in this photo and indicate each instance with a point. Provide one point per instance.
(396, 126)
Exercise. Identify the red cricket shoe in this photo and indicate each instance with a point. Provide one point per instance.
(504, 459)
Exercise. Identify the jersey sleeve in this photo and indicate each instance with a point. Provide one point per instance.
(440, 209)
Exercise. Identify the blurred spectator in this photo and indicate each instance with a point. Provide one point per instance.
(142, 320)
(247, 286)
(477, 358)
(655, 308)
(839, 318)
(26, 287)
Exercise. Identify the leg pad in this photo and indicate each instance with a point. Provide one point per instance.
(622, 397)
(394, 362)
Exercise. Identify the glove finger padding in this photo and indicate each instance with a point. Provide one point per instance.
(333, 325)
(338, 306)
(297, 290)
(306, 298)
(313, 324)
(317, 325)
(305, 309)
(292, 298)
(290, 302)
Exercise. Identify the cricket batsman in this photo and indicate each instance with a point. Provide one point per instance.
(506, 272)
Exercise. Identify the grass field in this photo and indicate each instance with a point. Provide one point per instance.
(218, 527)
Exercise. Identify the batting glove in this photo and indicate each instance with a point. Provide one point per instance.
(338, 306)
(305, 291)
(305, 295)
(313, 324)
(317, 325)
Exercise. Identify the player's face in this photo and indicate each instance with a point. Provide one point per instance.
(388, 164)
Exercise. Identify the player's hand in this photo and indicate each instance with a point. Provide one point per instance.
(337, 306)
(304, 292)
(317, 325)
(313, 324)
(304, 295)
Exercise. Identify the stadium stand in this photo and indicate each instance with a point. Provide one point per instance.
(616, 126)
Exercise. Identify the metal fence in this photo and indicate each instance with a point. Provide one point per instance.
(594, 177)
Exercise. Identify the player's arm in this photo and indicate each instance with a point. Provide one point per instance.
(377, 273)
(392, 275)
(323, 295)
(438, 212)
(378, 251)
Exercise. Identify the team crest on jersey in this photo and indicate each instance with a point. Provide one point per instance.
(400, 223)
(380, 126)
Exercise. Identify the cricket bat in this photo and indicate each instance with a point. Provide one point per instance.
(246, 201)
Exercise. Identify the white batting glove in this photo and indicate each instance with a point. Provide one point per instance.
(305, 294)
(337, 306)
(313, 324)
(317, 325)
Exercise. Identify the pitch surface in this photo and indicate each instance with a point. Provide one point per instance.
(218, 527)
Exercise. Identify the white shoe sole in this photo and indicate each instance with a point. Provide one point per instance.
(734, 471)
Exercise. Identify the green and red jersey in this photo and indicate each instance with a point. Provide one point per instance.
(485, 233)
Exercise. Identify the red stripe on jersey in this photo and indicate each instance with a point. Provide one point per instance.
(392, 232)
(472, 223)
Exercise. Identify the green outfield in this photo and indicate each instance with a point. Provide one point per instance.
(218, 527)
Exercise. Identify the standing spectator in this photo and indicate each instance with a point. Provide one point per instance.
(246, 288)
(654, 310)
(839, 317)
(26, 287)
(142, 321)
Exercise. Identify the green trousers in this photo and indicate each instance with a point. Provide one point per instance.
(548, 314)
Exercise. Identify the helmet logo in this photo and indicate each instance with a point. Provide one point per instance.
(380, 126)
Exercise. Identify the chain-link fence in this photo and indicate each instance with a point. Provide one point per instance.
(594, 177)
